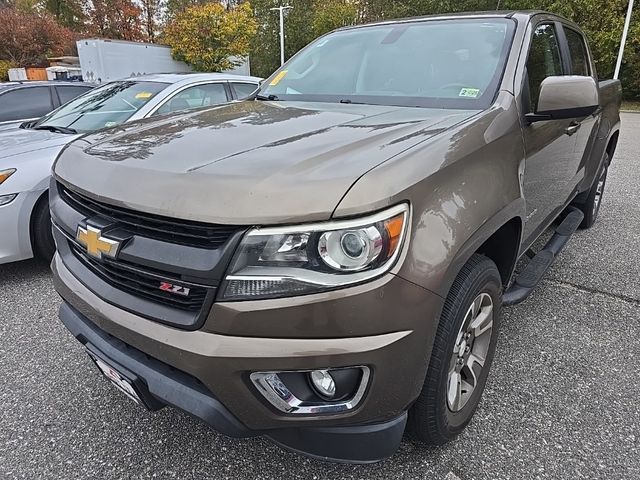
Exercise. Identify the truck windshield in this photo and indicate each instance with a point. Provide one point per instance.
(107, 106)
(433, 63)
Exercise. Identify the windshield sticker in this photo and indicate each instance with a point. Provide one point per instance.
(144, 95)
(110, 124)
(278, 77)
(469, 92)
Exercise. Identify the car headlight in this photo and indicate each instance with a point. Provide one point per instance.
(4, 174)
(298, 260)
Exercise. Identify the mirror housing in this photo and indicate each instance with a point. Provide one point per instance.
(563, 97)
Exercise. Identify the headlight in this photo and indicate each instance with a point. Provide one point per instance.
(297, 260)
(4, 174)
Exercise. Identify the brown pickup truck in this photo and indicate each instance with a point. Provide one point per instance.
(325, 264)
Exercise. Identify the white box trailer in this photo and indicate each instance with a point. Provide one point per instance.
(106, 60)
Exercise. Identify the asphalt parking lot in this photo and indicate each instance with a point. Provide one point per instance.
(563, 399)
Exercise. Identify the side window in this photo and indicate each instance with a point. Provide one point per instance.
(195, 97)
(544, 60)
(25, 103)
(578, 51)
(69, 92)
(243, 90)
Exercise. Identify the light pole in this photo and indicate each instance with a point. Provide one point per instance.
(625, 31)
(282, 10)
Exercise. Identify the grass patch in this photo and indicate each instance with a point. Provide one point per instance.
(633, 106)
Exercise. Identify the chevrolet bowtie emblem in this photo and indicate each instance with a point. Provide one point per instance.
(97, 246)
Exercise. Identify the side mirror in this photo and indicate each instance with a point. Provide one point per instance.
(569, 96)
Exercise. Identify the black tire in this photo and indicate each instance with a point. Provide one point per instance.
(431, 418)
(41, 234)
(590, 205)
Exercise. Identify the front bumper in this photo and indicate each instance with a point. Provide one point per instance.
(362, 443)
(219, 363)
(15, 219)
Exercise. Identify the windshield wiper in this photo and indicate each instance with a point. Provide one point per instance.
(54, 128)
(267, 97)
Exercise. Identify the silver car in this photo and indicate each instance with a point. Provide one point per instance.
(27, 154)
(29, 100)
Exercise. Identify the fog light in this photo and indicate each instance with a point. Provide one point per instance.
(323, 382)
(7, 199)
(309, 392)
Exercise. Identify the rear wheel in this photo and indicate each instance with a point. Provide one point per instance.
(41, 235)
(462, 353)
(590, 206)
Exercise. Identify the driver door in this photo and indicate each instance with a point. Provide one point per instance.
(549, 145)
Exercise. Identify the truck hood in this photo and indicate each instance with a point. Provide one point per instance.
(246, 163)
(18, 141)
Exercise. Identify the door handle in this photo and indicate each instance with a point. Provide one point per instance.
(573, 128)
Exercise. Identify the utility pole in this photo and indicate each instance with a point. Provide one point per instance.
(625, 32)
(282, 10)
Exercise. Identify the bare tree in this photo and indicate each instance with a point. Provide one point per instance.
(152, 12)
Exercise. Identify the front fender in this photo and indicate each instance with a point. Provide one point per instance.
(32, 170)
(463, 186)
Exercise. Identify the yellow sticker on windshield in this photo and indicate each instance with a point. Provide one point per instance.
(469, 92)
(278, 77)
(144, 95)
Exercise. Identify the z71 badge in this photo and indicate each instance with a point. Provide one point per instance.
(177, 289)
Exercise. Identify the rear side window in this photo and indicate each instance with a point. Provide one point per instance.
(23, 103)
(69, 92)
(243, 90)
(544, 59)
(578, 51)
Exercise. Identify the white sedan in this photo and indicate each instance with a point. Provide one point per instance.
(27, 154)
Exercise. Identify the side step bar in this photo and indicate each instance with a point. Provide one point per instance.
(527, 280)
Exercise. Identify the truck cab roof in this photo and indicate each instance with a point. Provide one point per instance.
(523, 15)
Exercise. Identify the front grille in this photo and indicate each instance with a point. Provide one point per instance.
(134, 280)
(182, 232)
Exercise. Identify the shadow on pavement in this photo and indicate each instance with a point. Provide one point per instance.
(23, 271)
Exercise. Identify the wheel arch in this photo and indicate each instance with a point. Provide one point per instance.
(500, 239)
(612, 145)
(44, 197)
(503, 247)
(608, 152)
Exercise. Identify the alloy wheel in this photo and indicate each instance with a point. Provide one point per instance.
(470, 352)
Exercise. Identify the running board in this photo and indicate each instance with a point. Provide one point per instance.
(532, 274)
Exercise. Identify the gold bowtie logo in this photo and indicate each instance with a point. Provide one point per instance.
(91, 238)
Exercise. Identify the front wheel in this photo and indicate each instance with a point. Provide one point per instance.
(41, 235)
(462, 352)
